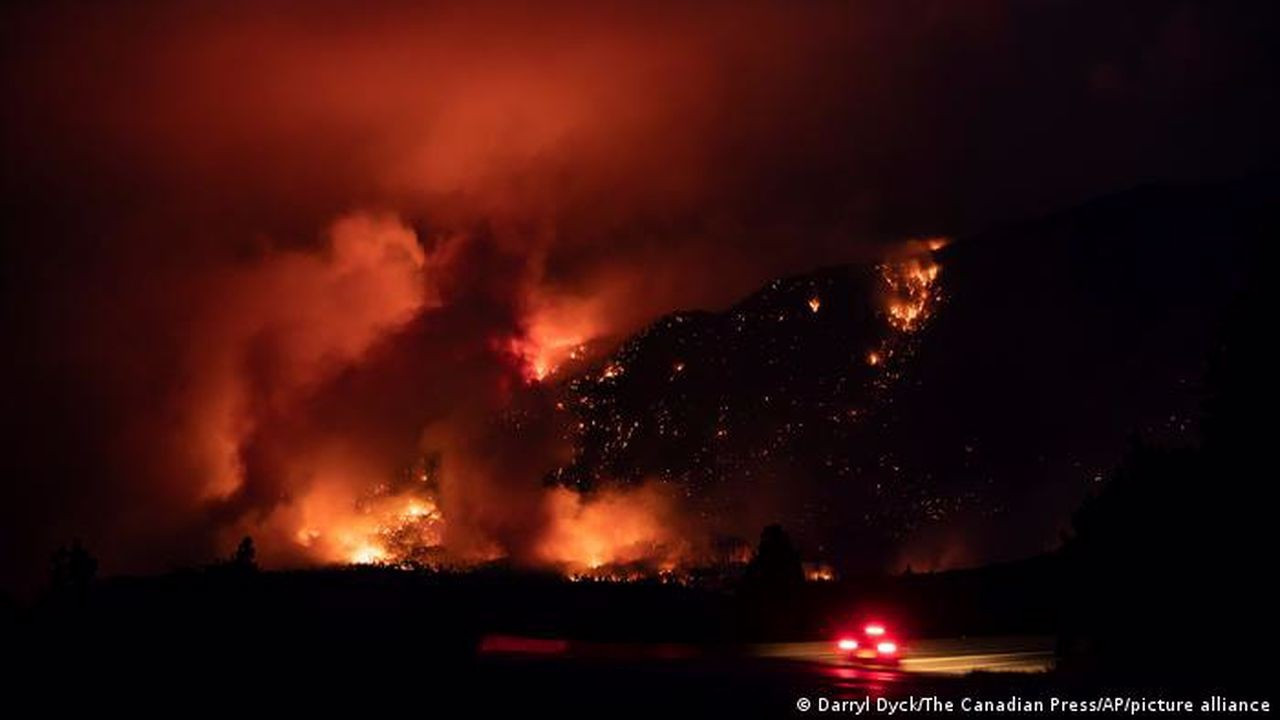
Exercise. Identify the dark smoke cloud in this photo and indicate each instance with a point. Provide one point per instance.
(256, 250)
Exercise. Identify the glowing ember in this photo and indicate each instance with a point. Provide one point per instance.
(873, 358)
(815, 303)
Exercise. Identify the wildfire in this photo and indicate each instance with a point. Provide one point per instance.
(613, 534)
(910, 286)
(367, 555)
(382, 529)
(541, 358)
(910, 293)
(616, 527)
(557, 332)
(819, 572)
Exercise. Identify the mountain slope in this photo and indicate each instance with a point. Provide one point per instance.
(967, 437)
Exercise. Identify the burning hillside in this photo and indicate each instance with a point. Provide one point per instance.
(427, 240)
(909, 283)
(641, 487)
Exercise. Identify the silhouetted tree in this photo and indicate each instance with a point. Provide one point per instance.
(246, 555)
(1178, 538)
(776, 563)
(773, 604)
(72, 572)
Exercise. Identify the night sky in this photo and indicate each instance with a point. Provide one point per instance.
(318, 272)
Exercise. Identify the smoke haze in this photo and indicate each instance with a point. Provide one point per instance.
(263, 258)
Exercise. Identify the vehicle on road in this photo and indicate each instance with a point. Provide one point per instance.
(872, 643)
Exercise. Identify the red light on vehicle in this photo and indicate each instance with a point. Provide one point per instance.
(847, 644)
(874, 630)
(887, 648)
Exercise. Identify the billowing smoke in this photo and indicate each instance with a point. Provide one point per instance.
(269, 258)
(329, 243)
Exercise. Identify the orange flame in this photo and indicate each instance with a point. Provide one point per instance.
(389, 529)
(911, 288)
(617, 526)
(819, 572)
(557, 331)
(614, 527)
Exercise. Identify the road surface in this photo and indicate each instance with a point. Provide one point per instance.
(761, 680)
(951, 656)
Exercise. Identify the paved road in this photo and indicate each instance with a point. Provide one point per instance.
(763, 680)
(950, 656)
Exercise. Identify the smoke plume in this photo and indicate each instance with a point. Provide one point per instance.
(268, 258)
